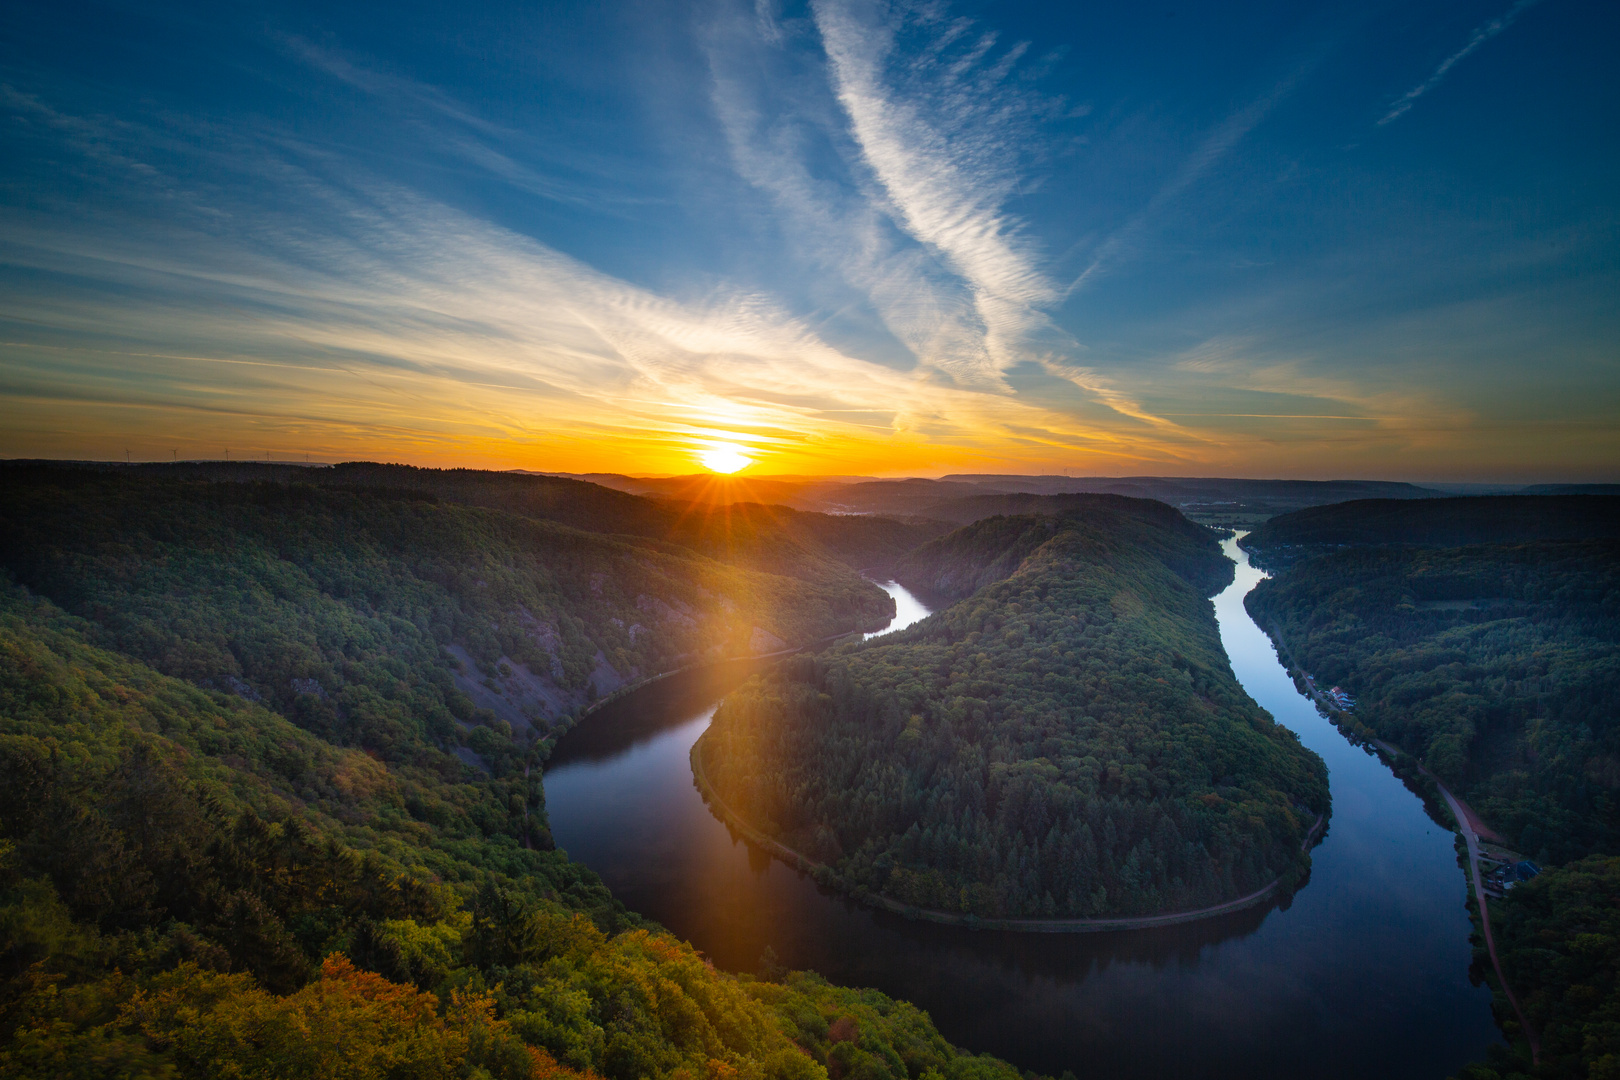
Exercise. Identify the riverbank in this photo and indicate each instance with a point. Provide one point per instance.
(825, 874)
(1468, 826)
(1377, 941)
(557, 732)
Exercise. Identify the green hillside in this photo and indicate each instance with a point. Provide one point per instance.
(1496, 666)
(191, 886)
(1482, 636)
(723, 518)
(1492, 519)
(1559, 940)
(270, 803)
(1067, 740)
(390, 620)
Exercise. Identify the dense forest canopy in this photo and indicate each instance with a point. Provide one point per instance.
(1558, 937)
(1482, 636)
(1494, 519)
(959, 564)
(1496, 666)
(382, 619)
(732, 522)
(192, 886)
(1067, 740)
(237, 833)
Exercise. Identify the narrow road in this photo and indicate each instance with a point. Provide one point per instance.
(1468, 824)
(1465, 825)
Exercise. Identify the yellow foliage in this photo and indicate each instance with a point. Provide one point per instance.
(347, 1025)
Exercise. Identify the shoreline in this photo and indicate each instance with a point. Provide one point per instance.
(556, 734)
(1469, 826)
(1465, 817)
(1089, 925)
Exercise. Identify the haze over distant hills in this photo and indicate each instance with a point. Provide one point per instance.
(1213, 500)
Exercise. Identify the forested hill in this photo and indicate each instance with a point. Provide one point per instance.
(1497, 666)
(726, 519)
(1066, 741)
(1008, 528)
(1491, 519)
(191, 886)
(385, 620)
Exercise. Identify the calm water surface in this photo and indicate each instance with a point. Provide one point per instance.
(1364, 974)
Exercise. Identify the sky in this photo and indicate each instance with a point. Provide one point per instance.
(844, 237)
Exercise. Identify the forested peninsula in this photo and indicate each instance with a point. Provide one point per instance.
(1482, 637)
(1066, 740)
(255, 822)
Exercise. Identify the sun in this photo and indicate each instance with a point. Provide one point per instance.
(724, 458)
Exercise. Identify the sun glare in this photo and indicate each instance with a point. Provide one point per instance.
(724, 458)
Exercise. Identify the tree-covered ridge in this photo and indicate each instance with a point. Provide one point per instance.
(1497, 666)
(1493, 519)
(965, 560)
(388, 620)
(191, 886)
(725, 519)
(1558, 937)
(1068, 741)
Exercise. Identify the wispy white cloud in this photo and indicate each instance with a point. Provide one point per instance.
(895, 172)
(939, 117)
(373, 309)
(799, 155)
(1479, 37)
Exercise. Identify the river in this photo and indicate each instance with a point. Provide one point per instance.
(1364, 974)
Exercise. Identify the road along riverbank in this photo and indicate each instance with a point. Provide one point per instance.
(1468, 825)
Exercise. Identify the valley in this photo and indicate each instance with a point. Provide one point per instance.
(271, 733)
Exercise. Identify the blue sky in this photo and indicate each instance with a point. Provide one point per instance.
(1262, 240)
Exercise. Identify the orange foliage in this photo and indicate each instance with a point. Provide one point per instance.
(843, 1029)
(347, 1025)
(546, 1067)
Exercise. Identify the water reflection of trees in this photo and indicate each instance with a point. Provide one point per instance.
(638, 717)
(1065, 957)
(633, 719)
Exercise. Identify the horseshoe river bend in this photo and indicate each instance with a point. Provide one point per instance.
(1363, 973)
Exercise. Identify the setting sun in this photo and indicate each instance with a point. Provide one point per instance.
(724, 458)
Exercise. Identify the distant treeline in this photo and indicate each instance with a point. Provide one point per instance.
(1494, 519)
(777, 539)
(1482, 636)
(1067, 741)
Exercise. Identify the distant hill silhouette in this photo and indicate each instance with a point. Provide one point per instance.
(1494, 519)
(741, 531)
(1570, 489)
(1208, 497)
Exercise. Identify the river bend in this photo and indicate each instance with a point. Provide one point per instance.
(1364, 974)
